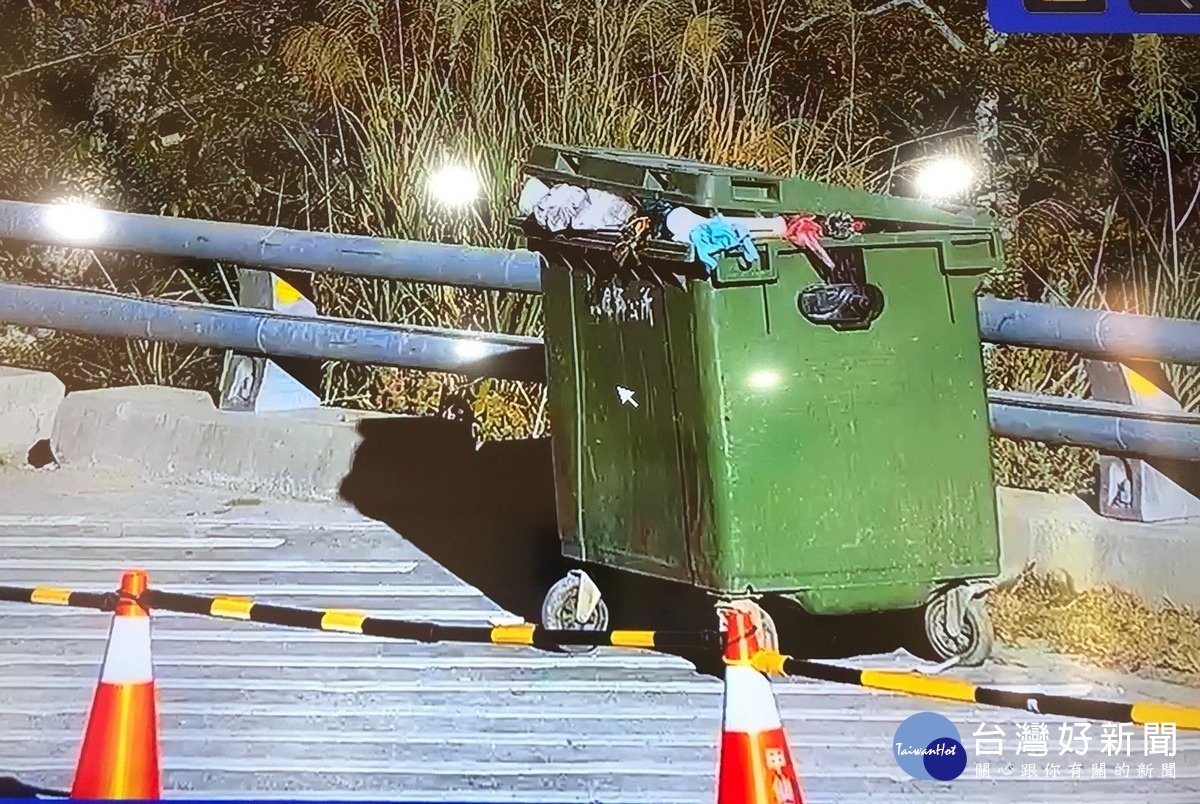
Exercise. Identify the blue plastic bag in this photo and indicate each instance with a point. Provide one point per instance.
(716, 237)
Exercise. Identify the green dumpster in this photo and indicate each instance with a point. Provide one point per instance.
(801, 422)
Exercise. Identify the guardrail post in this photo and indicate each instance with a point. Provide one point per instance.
(1134, 489)
(258, 384)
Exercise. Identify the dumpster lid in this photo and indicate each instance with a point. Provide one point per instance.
(730, 190)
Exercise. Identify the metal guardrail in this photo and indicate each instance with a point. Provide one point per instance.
(1090, 333)
(1114, 429)
(262, 332)
(1111, 428)
(274, 247)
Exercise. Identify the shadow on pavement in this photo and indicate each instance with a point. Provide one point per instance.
(488, 517)
(12, 787)
(806, 636)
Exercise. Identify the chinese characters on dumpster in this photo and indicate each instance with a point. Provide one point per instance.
(611, 302)
(1059, 749)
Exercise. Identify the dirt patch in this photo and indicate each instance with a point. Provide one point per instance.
(1107, 626)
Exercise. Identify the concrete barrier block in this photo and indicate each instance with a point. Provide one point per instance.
(1061, 534)
(29, 401)
(180, 436)
(1033, 526)
(124, 426)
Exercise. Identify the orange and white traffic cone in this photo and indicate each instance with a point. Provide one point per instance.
(756, 765)
(119, 758)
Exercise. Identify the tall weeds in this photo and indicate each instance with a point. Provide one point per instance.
(1141, 258)
(476, 83)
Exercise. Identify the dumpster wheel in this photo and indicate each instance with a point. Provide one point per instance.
(972, 644)
(560, 609)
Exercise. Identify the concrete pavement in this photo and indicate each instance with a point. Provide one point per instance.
(262, 712)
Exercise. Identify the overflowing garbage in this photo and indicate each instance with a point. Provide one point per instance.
(567, 209)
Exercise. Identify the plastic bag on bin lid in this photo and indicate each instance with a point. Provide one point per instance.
(681, 221)
(555, 211)
(604, 210)
(657, 211)
(716, 236)
(805, 232)
(533, 191)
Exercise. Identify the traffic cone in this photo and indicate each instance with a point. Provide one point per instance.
(119, 758)
(756, 765)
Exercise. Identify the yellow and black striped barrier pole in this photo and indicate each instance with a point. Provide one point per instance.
(771, 663)
(53, 596)
(911, 682)
(355, 622)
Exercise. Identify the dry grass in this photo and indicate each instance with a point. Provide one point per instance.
(1107, 626)
(477, 82)
(1070, 263)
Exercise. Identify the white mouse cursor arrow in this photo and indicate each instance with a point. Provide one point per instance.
(626, 396)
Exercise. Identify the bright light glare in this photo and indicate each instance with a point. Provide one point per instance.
(454, 186)
(946, 177)
(470, 349)
(764, 379)
(75, 221)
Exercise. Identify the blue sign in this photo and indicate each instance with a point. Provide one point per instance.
(1095, 16)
